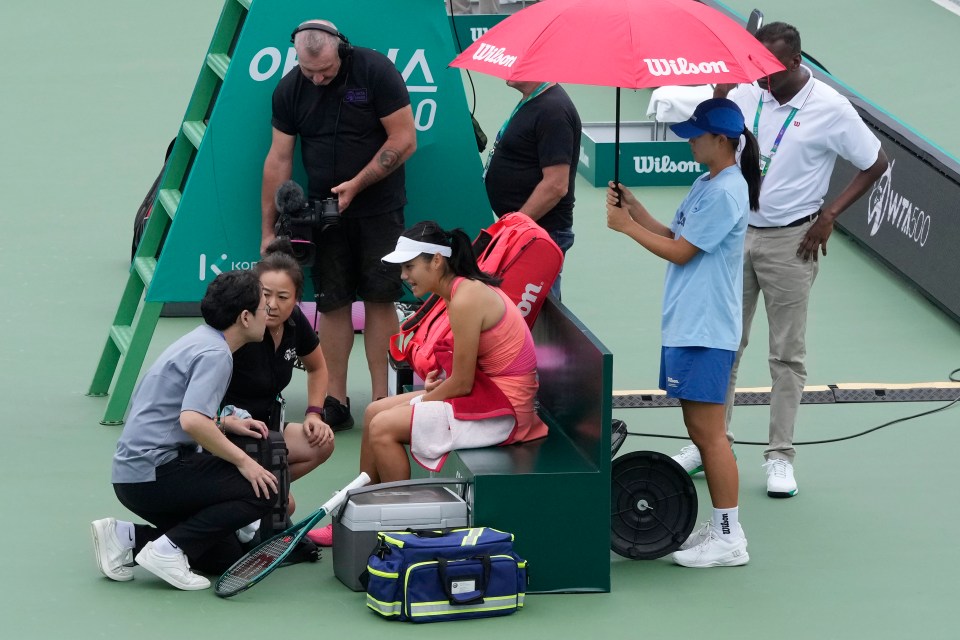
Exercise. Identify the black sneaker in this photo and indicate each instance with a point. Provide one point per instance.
(305, 551)
(337, 415)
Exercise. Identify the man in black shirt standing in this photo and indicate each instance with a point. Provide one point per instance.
(351, 110)
(533, 164)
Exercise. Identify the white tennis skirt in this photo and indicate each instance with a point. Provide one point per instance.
(434, 433)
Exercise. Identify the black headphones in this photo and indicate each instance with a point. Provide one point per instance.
(344, 48)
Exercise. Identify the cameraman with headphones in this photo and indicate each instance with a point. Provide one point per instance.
(351, 109)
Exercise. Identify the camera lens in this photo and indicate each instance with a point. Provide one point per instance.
(303, 252)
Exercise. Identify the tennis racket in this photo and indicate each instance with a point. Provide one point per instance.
(261, 561)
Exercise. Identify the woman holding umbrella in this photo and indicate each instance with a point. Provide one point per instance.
(702, 318)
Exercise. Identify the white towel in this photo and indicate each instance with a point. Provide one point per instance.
(434, 433)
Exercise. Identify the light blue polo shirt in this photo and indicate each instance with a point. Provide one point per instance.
(703, 299)
(192, 374)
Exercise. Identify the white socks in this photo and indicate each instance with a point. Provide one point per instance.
(165, 547)
(245, 534)
(726, 523)
(125, 532)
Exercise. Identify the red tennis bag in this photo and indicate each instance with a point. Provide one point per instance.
(514, 248)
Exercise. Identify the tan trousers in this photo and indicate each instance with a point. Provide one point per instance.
(771, 267)
(494, 6)
(459, 6)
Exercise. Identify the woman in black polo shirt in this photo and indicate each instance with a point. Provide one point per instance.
(262, 370)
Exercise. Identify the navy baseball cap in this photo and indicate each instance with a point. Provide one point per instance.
(716, 115)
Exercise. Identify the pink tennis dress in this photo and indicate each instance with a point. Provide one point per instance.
(500, 413)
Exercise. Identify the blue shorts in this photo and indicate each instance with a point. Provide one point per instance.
(700, 374)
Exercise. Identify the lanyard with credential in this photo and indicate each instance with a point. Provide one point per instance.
(540, 89)
(765, 160)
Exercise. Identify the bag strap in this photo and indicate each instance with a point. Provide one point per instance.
(411, 330)
(483, 239)
(471, 597)
(421, 312)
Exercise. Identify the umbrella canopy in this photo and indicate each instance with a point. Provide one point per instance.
(619, 43)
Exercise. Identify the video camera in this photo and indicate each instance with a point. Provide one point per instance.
(298, 219)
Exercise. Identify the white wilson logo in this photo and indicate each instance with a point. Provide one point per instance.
(683, 67)
(494, 55)
(664, 164)
(528, 299)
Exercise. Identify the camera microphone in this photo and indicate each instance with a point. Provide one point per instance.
(293, 221)
(289, 198)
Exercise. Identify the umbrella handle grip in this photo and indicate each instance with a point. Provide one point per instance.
(616, 189)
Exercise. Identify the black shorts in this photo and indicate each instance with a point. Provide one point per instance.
(348, 266)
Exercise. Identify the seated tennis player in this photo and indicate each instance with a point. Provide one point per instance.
(195, 500)
(484, 394)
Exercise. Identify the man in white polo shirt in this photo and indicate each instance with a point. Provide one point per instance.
(802, 126)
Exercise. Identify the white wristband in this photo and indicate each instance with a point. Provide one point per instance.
(415, 399)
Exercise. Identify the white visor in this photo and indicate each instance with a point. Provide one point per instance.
(408, 249)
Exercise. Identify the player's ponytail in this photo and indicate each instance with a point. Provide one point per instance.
(750, 167)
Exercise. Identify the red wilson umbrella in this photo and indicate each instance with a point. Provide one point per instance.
(619, 43)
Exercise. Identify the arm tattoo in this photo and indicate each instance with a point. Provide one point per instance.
(367, 177)
(389, 160)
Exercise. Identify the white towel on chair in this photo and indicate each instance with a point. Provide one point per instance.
(676, 104)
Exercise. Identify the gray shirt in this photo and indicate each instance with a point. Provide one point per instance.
(191, 375)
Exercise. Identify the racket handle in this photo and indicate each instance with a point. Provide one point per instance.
(338, 498)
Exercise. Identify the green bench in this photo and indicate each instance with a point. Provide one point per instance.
(554, 493)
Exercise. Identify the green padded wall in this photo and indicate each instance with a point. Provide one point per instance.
(217, 222)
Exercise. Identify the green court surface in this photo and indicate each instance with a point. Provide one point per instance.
(92, 94)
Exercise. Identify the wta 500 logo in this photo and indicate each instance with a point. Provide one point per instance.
(268, 61)
(887, 205)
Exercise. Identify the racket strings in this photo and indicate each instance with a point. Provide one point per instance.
(229, 584)
(256, 564)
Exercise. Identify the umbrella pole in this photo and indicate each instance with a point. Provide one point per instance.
(616, 145)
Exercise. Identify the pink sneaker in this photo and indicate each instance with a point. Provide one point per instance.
(322, 537)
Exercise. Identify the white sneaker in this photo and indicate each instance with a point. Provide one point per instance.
(173, 569)
(714, 551)
(780, 480)
(701, 534)
(111, 555)
(689, 459)
(697, 537)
